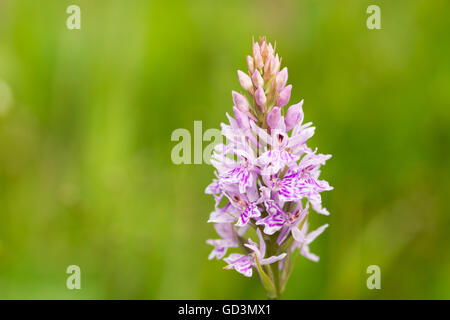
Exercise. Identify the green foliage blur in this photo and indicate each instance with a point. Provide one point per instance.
(86, 118)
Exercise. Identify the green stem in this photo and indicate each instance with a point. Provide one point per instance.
(272, 248)
(288, 269)
(276, 280)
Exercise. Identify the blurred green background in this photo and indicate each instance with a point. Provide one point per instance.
(86, 118)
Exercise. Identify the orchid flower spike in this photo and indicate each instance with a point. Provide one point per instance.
(267, 178)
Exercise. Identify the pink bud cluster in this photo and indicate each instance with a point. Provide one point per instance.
(266, 85)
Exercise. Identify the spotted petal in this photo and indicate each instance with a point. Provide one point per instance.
(275, 220)
(239, 262)
(251, 211)
(220, 247)
(239, 175)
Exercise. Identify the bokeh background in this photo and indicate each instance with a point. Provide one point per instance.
(86, 118)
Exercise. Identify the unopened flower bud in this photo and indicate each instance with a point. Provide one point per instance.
(294, 115)
(256, 48)
(245, 81)
(257, 79)
(284, 96)
(241, 119)
(267, 66)
(250, 64)
(240, 102)
(270, 49)
(264, 51)
(275, 65)
(273, 117)
(282, 78)
(257, 56)
(260, 97)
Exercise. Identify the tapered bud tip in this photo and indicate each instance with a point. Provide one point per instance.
(284, 96)
(240, 101)
(241, 119)
(256, 50)
(258, 81)
(273, 117)
(245, 81)
(270, 49)
(294, 115)
(260, 97)
(264, 50)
